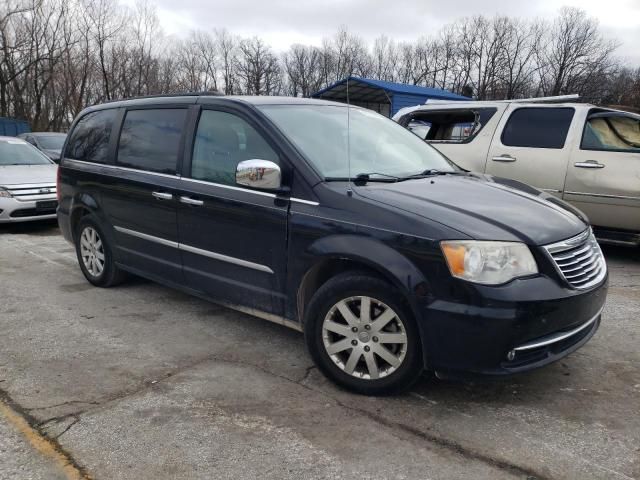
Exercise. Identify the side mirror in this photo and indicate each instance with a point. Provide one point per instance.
(261, 174)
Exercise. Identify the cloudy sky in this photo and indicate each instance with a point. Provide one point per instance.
(283, 22)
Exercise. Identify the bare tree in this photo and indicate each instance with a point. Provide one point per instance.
(258, 68)
(145, 31)
(303, 68)
(519, 58)
(58, 56)
(15, 46)
(385, 59)
(197, 58)
(107, 21)
(227, 48)
(347, 55)
(624, 88)
(575, 53)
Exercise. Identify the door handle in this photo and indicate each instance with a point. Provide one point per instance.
(191, 201)
(589, 164)
(162, 195)
(504, 158)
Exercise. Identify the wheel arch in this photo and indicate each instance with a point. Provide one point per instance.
(340, 253)
(82, 205)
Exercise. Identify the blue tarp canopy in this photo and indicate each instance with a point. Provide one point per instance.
(384, 97)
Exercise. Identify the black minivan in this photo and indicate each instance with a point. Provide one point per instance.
(337, 222)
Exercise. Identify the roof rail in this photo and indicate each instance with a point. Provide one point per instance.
(555, 99)
(213, 93)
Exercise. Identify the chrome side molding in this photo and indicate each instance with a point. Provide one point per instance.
(151, 238)
(224, 258)
(195, 250)
(602, 195)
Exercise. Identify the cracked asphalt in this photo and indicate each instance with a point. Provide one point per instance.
(141, 381)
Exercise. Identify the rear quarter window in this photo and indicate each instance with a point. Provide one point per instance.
(89, 140)
(538, 127)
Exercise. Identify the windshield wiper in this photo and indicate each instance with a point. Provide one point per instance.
(366, 177)
(431, 172)
(363, 178)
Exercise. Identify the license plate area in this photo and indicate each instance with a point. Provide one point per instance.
(46, 205)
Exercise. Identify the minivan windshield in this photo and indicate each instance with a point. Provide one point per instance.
(19, 152)
(379, 147)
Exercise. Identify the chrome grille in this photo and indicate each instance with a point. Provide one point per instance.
(579, 260)
(33, 191)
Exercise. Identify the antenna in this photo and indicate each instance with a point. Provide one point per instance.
(349, 190)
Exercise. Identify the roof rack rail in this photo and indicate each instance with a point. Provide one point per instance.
(212, 93)
(555, 99)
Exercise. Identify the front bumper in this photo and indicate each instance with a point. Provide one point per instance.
(13, 210)
(517, 327)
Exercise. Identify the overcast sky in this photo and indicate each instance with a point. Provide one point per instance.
(284, 22)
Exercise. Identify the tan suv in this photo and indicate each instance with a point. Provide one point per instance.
(586, 155)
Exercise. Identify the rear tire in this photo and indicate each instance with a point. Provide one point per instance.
(95, 255)
(362, 335)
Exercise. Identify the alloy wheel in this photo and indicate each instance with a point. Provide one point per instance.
(92, 251)
(364, 337)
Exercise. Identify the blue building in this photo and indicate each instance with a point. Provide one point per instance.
(12, 127)
(383, 97)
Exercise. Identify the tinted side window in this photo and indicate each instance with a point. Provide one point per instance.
(89, 140)
(150, 139)
(222, 141)
(538, 127)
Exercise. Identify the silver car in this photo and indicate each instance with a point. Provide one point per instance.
(27, 182)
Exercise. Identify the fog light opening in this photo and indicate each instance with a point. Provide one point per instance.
(511, 355)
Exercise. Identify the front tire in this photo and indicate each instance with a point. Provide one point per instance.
(361, 334)
(95, 255)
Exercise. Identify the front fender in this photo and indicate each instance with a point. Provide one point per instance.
(375, 254)
(390, 263)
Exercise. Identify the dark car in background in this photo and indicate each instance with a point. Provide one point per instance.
(337, 222)
(50, 143)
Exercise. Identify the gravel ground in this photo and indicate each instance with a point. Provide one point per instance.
(141, 381)
(20, 460)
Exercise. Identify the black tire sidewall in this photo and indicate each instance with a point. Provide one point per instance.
(107, 275)
(351, 285)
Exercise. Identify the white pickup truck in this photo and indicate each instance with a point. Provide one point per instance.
(586, 155)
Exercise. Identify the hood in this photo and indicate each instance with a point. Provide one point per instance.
(21, 174)
(483, 207)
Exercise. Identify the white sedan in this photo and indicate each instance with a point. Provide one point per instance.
(27, 182)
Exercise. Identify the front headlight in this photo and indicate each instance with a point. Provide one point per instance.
(490, 263)
(4, 193)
